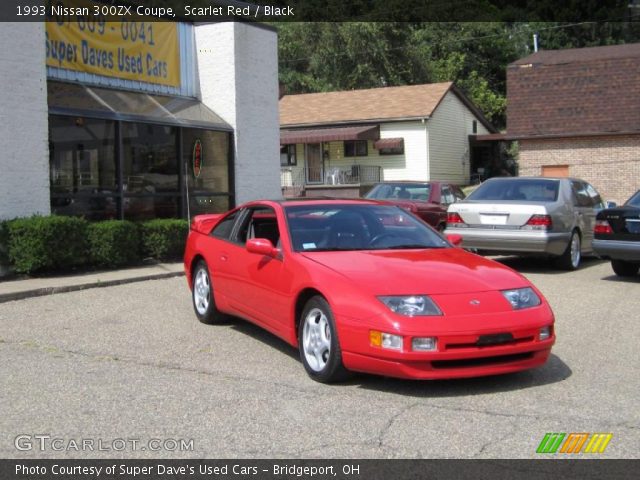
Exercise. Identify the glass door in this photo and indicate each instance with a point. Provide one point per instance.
(314, 166)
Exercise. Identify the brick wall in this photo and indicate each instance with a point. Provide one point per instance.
(609, 163)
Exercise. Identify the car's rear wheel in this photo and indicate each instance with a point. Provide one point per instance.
(624, 269)
(318, 342)
(570, 258)
(202, 294)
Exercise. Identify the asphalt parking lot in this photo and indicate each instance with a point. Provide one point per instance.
(131, 362)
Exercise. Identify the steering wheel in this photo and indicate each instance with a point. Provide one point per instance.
(379, 237)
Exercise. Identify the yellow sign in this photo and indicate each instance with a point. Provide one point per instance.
(130, 48)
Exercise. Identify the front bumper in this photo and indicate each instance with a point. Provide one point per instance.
(458, 354)
(512, 241)
(617, 250)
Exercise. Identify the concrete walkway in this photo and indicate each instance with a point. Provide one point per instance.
(34, 287)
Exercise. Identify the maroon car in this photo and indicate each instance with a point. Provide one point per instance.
(427, 200)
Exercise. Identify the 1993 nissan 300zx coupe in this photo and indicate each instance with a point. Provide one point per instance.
(360, 286)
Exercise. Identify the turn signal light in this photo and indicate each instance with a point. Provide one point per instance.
(602, 228)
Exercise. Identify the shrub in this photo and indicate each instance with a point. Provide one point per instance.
(113, 243)
(164, 239)
(47, 243)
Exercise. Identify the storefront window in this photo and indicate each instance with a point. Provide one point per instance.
(150, 158)
(82, 167)
(82, 155)
(89, 156)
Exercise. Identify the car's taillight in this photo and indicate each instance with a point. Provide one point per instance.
(455, 220)
(538, 222)
(602, 228)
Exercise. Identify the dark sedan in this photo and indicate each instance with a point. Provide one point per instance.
(617, 236)
(427, 200)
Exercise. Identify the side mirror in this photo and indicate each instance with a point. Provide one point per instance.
(612, 204)
(262, 246)
(455, 239)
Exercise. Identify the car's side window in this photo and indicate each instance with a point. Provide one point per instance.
(260, 222)
(225, 227)
(581, 196)
(446, 197)
(594, 196)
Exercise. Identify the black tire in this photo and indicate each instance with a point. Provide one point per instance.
(624, 269)
(570, 260)
(204, 303)
(318, 342)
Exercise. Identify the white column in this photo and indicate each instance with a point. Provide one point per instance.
(24, 137)
(238, 74)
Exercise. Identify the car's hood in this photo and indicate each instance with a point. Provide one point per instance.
(429, 271)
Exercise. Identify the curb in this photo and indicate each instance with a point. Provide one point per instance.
(40, 292)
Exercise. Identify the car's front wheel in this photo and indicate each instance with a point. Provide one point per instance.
(318, 342)
(202, 294)
(624, 269)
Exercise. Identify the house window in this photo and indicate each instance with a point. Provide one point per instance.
(288, 155)
(392, 151)
(474, 126)
(355, 148)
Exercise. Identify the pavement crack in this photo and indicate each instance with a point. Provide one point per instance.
(387, 426)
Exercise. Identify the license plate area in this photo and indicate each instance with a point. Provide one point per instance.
(494, 218)
(495, 339)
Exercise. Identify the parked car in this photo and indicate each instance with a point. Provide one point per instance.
(617, 236)
(529, 215)
(364, 286)
(427, 200)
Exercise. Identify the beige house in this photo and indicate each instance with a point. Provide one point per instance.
(576, 112)
(340, 143)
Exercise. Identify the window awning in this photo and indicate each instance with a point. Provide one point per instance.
(87, 101)
(389, 143)
(316, 135)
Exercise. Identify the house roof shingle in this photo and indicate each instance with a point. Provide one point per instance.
(575, 92)
(387, 103)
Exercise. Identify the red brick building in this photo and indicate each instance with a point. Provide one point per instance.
(576, 112)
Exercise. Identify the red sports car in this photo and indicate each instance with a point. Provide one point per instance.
(357, 285)
(427, 200)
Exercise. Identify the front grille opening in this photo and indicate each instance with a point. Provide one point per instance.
(515, 341)
(479, 362)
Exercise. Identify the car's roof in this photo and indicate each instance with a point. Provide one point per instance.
(522, 179)
(327, 201)
(410, 182)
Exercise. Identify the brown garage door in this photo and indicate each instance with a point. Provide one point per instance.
(555, 171)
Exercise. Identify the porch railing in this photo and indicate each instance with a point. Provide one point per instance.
(294, 181)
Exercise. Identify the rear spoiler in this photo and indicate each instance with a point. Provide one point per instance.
(205, 223)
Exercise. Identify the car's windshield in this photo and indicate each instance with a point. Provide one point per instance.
(530, 190)
(634, 201)
(331, 227)
(400, 191)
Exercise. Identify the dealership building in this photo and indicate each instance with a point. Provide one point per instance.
(132, 120)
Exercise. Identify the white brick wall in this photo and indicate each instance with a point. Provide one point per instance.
(238, 72)
(24, 145)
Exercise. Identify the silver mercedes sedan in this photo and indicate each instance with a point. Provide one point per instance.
(528, 215)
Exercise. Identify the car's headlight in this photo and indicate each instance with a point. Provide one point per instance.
(520, 298)
(411, 305)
